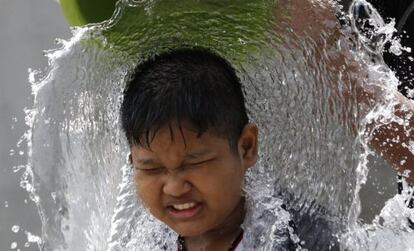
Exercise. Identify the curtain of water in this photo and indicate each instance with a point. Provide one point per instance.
(389, 230)
(300, 72)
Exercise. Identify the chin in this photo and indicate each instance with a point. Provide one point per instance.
(189, 230)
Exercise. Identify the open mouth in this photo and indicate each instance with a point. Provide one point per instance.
(184, 211)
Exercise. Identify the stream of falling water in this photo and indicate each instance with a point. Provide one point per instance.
(296, 65)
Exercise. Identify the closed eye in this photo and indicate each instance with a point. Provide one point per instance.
(152, 170)
(201, 162)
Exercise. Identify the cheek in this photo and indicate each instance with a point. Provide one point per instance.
(221, 185)
(233, 181)
(148, 191)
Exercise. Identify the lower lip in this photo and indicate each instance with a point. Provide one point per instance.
(186, 214)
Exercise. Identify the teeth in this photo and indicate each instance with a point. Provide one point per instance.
(184, 206)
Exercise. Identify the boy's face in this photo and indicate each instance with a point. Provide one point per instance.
(193, 183)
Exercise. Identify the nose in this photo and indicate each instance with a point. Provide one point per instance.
(175, 185)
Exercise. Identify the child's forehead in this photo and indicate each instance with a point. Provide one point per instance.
(193, 143)
(182, 133)
(182, 141)
(148, 156)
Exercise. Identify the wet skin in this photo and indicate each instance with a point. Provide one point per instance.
(193, 183)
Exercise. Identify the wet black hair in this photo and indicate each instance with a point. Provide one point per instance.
(191, 85)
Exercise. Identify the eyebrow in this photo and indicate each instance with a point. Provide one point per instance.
(148, 161)
(197, 154)
(189, 156)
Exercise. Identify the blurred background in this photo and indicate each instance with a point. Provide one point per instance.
(27, 28)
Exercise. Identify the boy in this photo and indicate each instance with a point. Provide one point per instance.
(191, 144)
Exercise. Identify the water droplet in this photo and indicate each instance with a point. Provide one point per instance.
(6, 203)
(53, 194)
(13, 245)
(33, 238)
(15, 228)
(18, 168)
(409, 146)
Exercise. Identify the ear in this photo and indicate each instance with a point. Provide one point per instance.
(248, 145)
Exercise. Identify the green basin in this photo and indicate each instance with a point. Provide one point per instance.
(81, 12)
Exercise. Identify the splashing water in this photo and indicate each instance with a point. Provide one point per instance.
(296, 76)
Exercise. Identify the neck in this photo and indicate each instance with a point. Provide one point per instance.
(221, 237)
